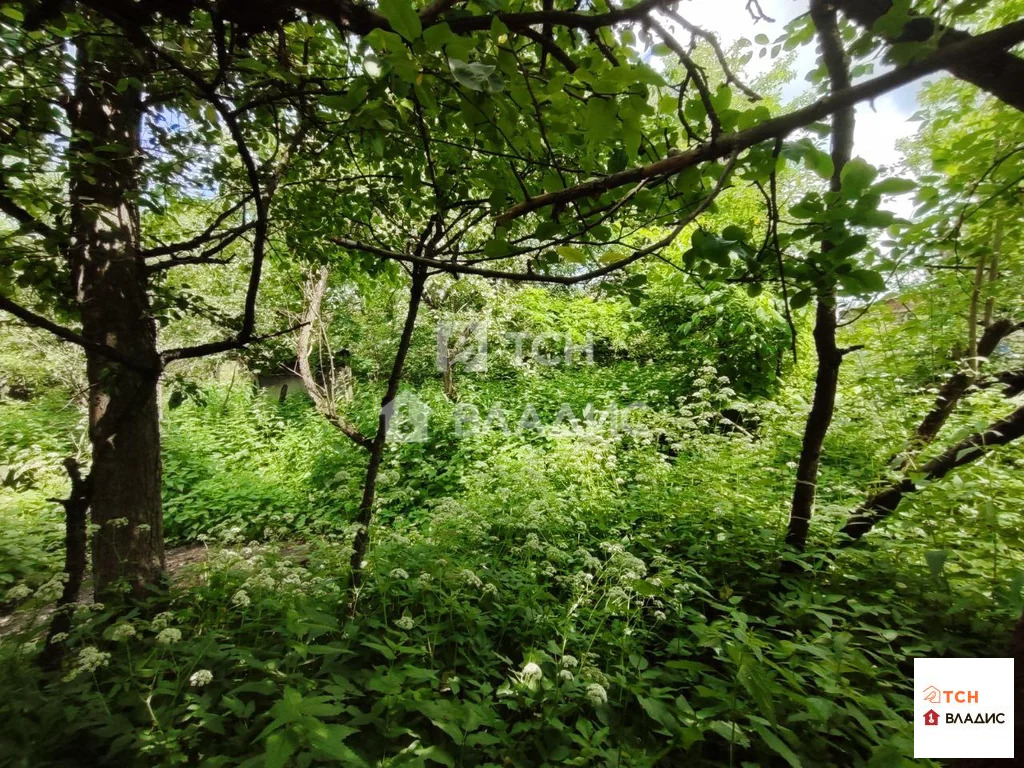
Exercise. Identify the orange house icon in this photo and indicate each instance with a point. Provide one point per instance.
(931, 717)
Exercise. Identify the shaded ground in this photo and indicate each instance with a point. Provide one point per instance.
(178, 559)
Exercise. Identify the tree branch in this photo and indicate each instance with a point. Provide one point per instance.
(781, 126)
(533, 277)
(970, 449)
(216, 347)
(38, 321)
(996, 71)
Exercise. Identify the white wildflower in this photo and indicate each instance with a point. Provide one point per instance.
(241, 599)
(618, 600)
(570, 662)
(122, 631)
(259, 581)
(593, 675)
(531, 673)
(168, 636)
(405, 623)
(52, 589)
(60, 637)
(470, 578)
(399, 573)
(596, 694)
(425, 578)
(490, 589)
(89, 659)
(565, 675)
(162, 620)
(200, 678)
(659, 616)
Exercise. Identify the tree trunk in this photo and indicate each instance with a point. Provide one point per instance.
(365, 516)
(829, 355)
(110, 290)
(972, 448)
(818, 420)
(448, 380)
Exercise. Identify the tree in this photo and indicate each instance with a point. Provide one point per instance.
(966, 226)
(81, 247)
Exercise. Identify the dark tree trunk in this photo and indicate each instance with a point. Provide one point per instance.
(376, 447)
(972, 448)
(830, 357)
(818, 420)
(76, 508)
(110, 290)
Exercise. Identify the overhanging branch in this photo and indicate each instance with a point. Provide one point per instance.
(532, 277)
(781, 126)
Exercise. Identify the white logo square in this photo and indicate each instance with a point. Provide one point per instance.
(963, 708)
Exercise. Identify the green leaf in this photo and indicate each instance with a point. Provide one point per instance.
(733, 232)
(402, 17)
(936, 559)
(472, 75)
(752, 677)
(800, 299)
(572, 254)
(856, 176)
(894, 186)
(659, 712)
(777, 745)
(279, 747)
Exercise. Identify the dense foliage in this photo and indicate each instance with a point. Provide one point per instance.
(501, 384)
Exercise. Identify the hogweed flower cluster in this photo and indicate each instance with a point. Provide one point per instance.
(531, 675)
(88, 660)
(122, 631)
(470, 578)
(168, 636)
(597, 695)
